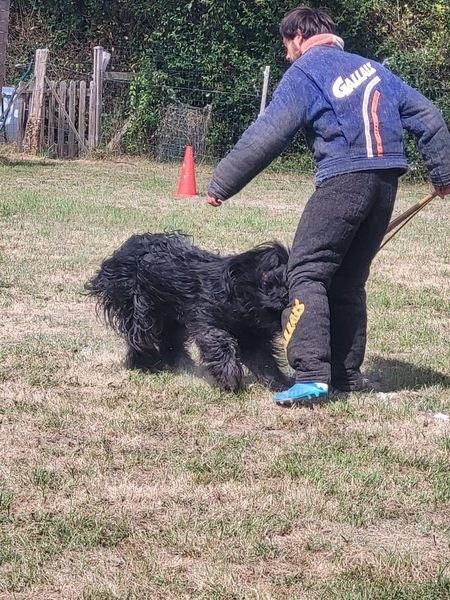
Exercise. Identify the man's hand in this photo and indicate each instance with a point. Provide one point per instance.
(442, 191)
(213, 201)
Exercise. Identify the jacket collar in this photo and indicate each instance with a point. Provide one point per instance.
(323, 39)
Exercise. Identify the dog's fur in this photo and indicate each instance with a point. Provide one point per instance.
(161, 292)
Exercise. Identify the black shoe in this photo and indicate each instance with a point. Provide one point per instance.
(363, 385)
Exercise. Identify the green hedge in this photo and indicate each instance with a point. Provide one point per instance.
(222, 46)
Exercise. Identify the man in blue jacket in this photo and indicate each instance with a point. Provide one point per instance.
(353, 111)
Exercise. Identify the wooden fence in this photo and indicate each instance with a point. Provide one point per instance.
(62, 119)
(64, 124)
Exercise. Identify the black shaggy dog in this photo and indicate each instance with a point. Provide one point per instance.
(161, 292)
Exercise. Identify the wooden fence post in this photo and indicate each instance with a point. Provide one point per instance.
(62, 94)
(71, 112)
(33, 129)
(82, 112)
(51, 119)
(91, 120)
(95, 119)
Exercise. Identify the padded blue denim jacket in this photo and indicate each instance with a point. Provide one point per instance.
(353, 111)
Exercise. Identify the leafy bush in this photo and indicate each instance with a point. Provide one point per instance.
(220, 49)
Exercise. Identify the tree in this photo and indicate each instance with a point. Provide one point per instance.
(4, 21)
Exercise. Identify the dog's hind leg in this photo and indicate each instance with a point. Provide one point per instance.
(173, 346)
(259, 356)
(162, 351)
(143, 343)
(144, 360)
(219, 353)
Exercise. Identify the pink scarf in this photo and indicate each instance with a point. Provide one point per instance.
(323, 39)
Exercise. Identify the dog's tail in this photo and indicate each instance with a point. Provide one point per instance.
(118, 290)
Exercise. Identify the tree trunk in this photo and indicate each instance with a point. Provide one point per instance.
(4, 21)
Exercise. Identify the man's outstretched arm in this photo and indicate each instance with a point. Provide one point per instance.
(263, 141)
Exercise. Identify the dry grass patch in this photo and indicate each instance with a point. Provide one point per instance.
(118, 485)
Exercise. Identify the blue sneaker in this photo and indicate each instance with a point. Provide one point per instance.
(301, 392)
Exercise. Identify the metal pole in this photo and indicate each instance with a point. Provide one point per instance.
(264, 89)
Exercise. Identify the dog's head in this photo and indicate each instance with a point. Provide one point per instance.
(259, 277)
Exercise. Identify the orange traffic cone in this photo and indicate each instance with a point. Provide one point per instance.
(186, 183)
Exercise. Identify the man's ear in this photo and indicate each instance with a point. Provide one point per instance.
(298, 40)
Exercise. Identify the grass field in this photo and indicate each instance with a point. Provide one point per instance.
(118, 485)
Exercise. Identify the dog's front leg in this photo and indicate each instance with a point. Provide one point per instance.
(219, 353)
(259, 356)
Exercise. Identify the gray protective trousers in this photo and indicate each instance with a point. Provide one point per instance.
(337, 238)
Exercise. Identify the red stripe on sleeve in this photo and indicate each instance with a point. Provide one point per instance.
(376, 124)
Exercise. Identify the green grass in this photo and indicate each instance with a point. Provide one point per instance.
(361, 585)
(119, 485)
(363, 476)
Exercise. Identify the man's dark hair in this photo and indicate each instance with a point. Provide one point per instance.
(309, 21)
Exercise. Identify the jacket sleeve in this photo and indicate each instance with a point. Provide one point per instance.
(263, 141)
(420, 117)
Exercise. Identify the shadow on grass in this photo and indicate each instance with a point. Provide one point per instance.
(394, 375)
(23, 162)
